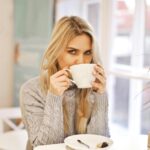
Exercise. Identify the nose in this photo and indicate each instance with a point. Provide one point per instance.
(80, 59)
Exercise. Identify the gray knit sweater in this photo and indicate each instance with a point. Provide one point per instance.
(43, 114)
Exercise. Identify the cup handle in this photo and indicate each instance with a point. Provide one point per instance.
(70, 73)
(72, 81)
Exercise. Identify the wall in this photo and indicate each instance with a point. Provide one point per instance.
(6, 52)
(32, 32)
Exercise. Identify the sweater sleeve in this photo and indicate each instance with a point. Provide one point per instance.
(43, 117)
(98, 123)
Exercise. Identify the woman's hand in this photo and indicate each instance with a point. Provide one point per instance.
(99, 85)
(59, 82)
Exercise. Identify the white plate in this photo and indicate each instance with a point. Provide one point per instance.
(90, 139)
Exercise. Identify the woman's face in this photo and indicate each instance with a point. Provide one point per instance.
(78, 51)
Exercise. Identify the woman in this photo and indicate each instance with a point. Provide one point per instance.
(52, 107)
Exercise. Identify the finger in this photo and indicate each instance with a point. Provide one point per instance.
(100, 78)
(99, 70)
(60, 87)
(99, 65)
(98, 87)
(60, 73)
(66, 69)
(62, 84)
(94, 89)
(63, 88)
(63, 78)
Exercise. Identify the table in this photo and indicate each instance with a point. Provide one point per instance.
(6, 116)
(124, 142)
(13, 140)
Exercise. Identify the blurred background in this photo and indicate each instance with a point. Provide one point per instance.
(122, 28)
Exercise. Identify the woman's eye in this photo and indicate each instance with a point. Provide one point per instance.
(72, 52)
(88, 53)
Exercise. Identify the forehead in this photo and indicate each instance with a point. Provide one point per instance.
(81, 42)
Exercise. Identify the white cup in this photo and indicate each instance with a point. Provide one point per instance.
(82, 75)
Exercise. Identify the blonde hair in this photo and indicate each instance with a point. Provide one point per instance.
(64, 31)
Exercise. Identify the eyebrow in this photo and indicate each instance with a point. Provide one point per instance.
(72, 48)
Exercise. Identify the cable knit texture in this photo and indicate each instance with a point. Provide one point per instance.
(43, 115)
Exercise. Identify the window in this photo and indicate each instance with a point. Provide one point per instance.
(146, 84)
(130, 88)
(147, 35)
(124, 19)
(92, 14)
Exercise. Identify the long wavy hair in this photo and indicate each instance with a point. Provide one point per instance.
(64, 31)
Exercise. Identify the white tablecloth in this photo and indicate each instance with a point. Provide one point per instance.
(138, 142)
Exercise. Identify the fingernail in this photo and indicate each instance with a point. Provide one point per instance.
(94, 73)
